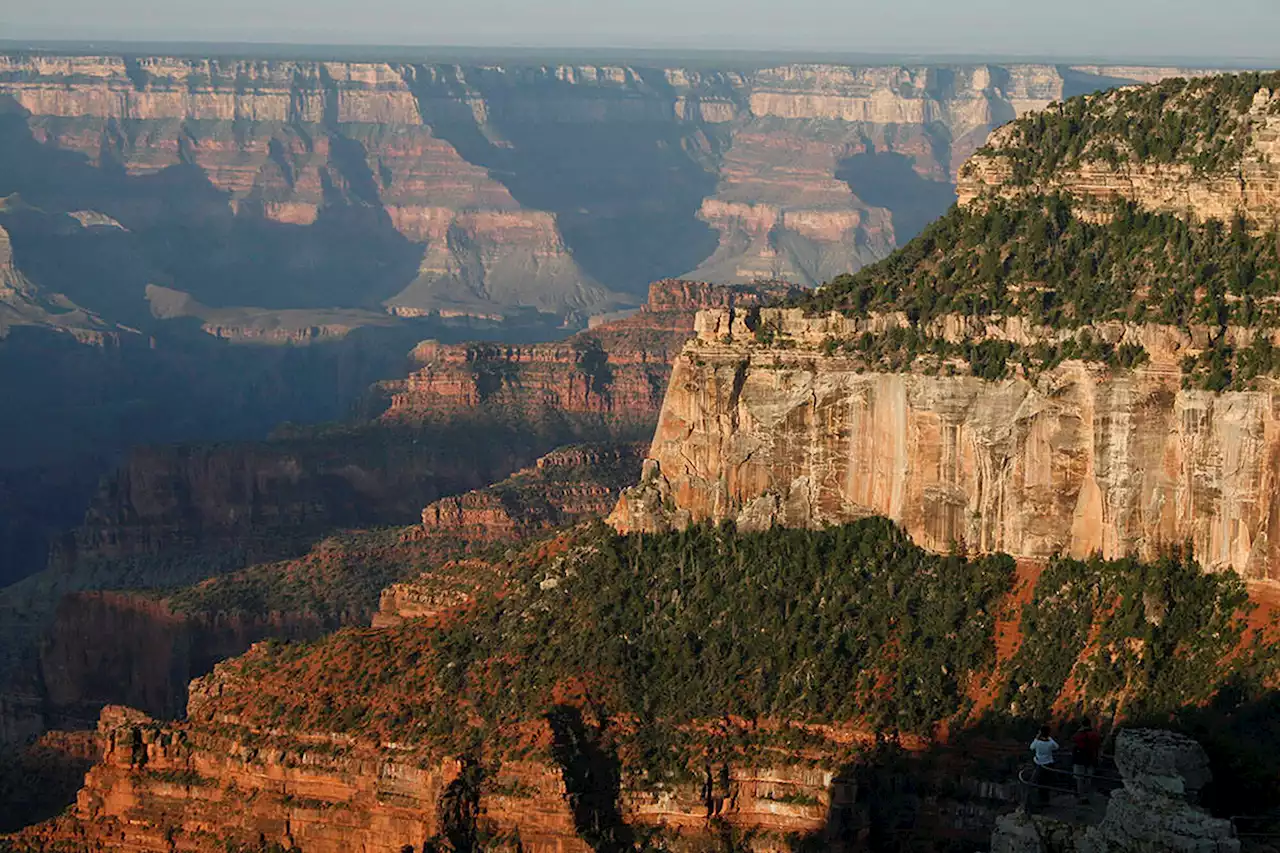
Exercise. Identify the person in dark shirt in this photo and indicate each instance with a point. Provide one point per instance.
(1086, 744)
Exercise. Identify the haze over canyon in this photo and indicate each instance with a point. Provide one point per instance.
(585, 457)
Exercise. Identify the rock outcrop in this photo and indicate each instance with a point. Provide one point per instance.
(567, 486)
(24, 304)
(614, 373)
(253, 501)
(779, 417)
(142, 648)
(198, 788)
(250, 502)
(1080, 459)
(1154, 810)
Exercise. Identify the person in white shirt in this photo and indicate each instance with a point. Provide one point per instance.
(1042, 749)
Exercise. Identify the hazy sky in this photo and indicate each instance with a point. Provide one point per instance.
(1224, 29)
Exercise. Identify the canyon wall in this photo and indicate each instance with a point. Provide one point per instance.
(1082, 458)
(614, 373)
(142, 648)
(472, 415)
(165, 784)
(468, 416)
(565, 486)
(134, 648)
(490, 187)
(778, 417)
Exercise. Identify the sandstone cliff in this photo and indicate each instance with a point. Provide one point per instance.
(565, 486)
(809, 418)
(613, 374)
(469, 416)
(539, 186)
(1081, 459)
(23, 304)
(198, 788)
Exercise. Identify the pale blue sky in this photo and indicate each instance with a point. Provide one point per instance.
(1221, 29)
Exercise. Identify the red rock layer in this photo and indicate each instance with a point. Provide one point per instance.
(263, 500)
(563, 487)
(258, 501)
(616, 370)
(196, 787)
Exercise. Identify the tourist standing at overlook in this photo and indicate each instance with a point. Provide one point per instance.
(1085, 746)
(1042, 748)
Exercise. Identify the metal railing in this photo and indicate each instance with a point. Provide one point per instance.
(1065, 781)
(1256, 822)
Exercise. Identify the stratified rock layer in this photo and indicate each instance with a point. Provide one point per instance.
(1250, 187)
(1080, 460)
(614, 373)
(542, 186)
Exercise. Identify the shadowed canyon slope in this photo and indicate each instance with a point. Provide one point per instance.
(480, 188)
(161, 213)
(1120, 396)
(469, 416)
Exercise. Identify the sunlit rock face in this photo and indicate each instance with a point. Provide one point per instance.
(560, 188)
(1080, 460)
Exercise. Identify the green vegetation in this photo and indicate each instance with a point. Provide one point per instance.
(1192, 122)
(909, 348)
(1137, 639)
(1159, 643)
(1063, 263)
(676, 632)
(1036, 258)
(852, 623)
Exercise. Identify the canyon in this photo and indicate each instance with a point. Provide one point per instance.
(142, 648)
(466, 416)
(527, 685)
(257, 761)
(254, 520)
(556, 188)
(198, 249)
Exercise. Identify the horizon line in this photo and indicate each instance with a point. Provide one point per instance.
(207, 47)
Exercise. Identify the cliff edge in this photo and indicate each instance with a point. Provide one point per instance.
(1057, 366)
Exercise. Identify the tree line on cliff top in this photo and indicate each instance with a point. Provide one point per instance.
(1199, 123)
(1037, 258)
(1067, 264)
